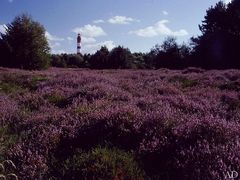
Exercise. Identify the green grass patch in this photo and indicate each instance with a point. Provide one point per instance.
(57, 100)
(12, 83)
(9, 87)
(35, 80)
(185, 82)
(100, 163)
(82, 110)
(7, 139)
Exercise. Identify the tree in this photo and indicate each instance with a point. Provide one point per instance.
(167, 55)
(75, 60)
(120, 57)
(219, 44)
(57, 61)
(100, 59)
(24, 44)
(138, 60)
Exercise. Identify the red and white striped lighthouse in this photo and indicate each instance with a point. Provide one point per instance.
(78, 43)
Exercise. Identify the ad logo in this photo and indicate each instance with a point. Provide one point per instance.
(231, 175)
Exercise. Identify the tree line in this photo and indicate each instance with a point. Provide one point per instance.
(24, 45)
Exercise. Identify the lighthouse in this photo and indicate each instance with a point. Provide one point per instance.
(78, 43)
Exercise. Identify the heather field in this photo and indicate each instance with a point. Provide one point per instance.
(120, 124)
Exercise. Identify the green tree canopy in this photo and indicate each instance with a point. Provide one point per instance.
(100, 59)
(120, 57)
(24, 44)
(169, 54)
(219, 44)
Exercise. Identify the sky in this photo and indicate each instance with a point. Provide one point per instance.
(135, 24)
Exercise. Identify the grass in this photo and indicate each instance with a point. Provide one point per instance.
(9, 87)
(57, 100)
(7, 139)
(34, 81)
(185, 82)
(11, 83)
(100, 163)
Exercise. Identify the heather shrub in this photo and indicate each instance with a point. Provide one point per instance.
(98, 163)
(101, 126)
(232, 86)
(194, 150)
(7, 170)
(169, 124)
(31, 102)
(192, 70)
(8, 111)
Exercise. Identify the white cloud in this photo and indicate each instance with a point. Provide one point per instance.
(53, 45)
(165, 13)
(51, 37)
(60, 51)
(87, 40)
(98, 21)
(160, 28)
(3, 28)
(53, 42)
(92, 48)
(90, 31)
(227, 1)
(69, 38)
(121, 20)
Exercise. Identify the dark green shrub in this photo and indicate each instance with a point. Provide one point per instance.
(185, 83)
(57, 100)
(100, 163)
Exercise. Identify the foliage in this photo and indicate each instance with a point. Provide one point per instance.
(139, 61)
(100, 59)
(218, 46)
(169, 54)
(68, 60)
(119, 58)
(57, 61)
(24, 45)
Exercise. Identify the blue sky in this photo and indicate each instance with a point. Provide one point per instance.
(136, 24)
